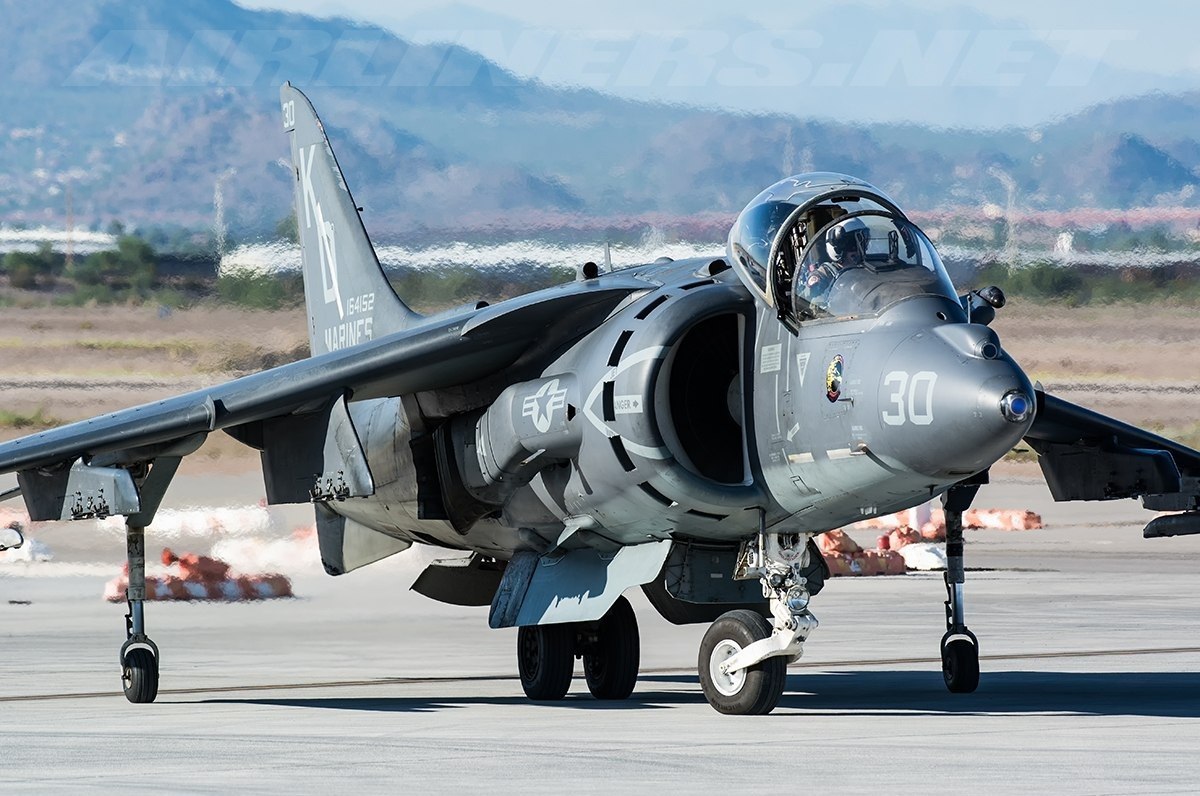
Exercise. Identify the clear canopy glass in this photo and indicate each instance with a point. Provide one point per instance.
(822, 245)
(859, 265)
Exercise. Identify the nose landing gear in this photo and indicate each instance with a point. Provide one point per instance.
(743, 657)
(960, 647)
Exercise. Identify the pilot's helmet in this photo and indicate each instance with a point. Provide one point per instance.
(847, 239)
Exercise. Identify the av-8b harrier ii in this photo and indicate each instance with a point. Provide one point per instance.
(684, 426)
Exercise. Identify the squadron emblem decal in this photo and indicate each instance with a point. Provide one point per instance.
(833, 378)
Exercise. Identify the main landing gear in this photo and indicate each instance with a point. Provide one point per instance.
(743, 657)
(610, 649)
(960, 648)
(139, 655)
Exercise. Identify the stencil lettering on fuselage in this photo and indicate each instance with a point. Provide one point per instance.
(771, 358)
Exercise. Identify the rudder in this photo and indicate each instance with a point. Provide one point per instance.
(347, 295)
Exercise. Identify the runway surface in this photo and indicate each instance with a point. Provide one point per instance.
(1091, 684)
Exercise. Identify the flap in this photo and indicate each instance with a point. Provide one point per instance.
(78, 492)
(314, 456)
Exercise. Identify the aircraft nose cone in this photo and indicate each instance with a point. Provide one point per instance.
(953, 402)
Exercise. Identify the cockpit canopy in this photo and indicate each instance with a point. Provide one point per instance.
(828, 245)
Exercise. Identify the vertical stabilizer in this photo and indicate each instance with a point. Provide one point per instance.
(348, 297)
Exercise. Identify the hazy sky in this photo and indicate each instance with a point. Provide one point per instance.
(1161, 34)
(948, 63)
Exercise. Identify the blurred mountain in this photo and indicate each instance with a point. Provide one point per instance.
(894, 62)
(147, 110)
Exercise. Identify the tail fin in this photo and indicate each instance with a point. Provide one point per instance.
(348, 297)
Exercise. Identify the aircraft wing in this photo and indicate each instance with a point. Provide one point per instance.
(1088, 456)
(442, 353)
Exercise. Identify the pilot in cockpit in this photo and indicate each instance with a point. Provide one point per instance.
(845, 246)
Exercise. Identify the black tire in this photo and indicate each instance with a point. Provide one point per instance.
(610, 666)
(758, 691)
(139, 675)
(960, 666)
(546, 660)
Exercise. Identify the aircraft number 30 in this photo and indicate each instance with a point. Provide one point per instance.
(289, 114)
(910, 397)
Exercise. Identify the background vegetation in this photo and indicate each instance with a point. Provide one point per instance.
(186, 273)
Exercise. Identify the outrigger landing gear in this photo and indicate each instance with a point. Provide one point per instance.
(610, 649)
(139, 655)
(743, 657)
(960, 648)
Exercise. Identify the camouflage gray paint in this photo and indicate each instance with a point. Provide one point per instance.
(676, 424)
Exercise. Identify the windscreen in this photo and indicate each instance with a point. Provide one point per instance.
(858, 265)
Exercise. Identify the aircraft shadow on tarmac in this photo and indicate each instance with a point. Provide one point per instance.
(1155, 694)
(641, 700)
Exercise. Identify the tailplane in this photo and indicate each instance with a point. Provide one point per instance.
(348, 297)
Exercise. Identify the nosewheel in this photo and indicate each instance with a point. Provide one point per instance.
(752, 691)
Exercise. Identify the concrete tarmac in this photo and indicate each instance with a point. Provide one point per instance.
(1091, 684)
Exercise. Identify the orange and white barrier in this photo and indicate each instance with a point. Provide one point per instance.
(901, 547)
(865, 562)
(836, 542)
(1002, 519)
(232, 589)
(845, 557)
(934, 529)
(195, 577)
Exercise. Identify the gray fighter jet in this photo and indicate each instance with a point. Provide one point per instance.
(684, 426)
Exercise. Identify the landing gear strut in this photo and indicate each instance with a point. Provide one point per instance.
(610, 649)
(960, 648)
(743, 657)
(139, 655)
